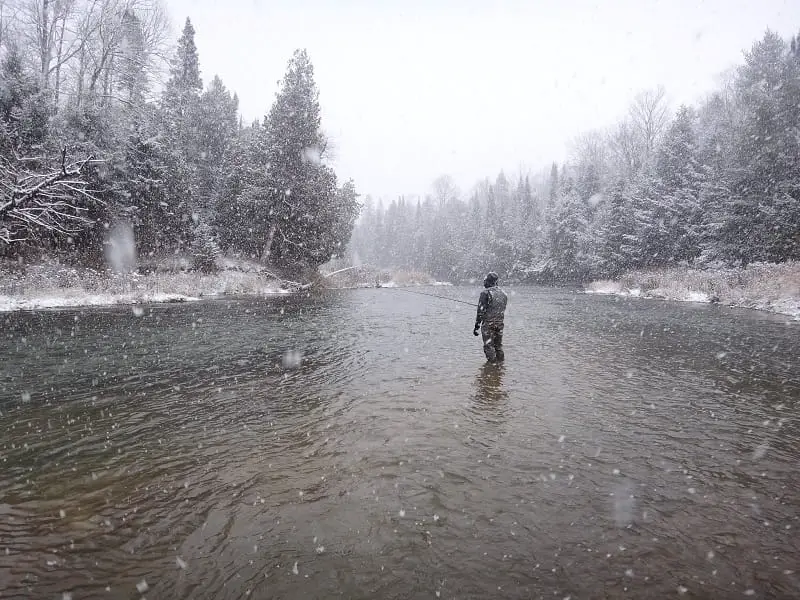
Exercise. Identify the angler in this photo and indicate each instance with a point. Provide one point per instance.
(491, 312)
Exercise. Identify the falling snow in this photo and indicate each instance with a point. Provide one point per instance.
(139, 429)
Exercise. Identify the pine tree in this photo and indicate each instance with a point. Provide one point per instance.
(238, 219)
(763, 209)
(553, 188)
(205, 250)
(218, 116)
(620, 246)
(307, 214)
(155, 192)
(185, 81)
(678, 182)
(567, 237)
(132, 82)
(181, 98)
(24, 107)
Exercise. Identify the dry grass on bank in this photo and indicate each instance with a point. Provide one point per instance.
(50, 284)
(762, 286)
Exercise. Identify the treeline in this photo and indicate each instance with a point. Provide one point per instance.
(717, 183)
(100, 136)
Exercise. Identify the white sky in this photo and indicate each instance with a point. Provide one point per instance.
(412, 89)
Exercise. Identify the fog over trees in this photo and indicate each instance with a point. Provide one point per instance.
(716, 183)
(105, 124)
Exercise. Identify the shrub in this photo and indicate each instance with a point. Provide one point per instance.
(205, 250)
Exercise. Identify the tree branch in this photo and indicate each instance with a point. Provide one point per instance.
(55, 201)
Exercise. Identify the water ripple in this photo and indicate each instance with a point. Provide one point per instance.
(355, 444)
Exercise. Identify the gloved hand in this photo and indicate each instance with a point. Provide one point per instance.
(475, 331)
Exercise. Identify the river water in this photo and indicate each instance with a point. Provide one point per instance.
(356, 445)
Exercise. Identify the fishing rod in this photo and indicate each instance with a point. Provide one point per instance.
(405, 290)
(431, 295)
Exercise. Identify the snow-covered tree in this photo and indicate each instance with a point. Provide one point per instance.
(180, 101)
(218, 127)
(299, 197)
(205, 250)
(675, 203)
(155, 192)
(764, 206)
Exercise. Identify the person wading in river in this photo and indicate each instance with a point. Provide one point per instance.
(491, 310)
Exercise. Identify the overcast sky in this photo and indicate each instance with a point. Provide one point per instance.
(412, 89)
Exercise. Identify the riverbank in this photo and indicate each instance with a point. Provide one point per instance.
(768, 287)
(54, 285)
(368, 277)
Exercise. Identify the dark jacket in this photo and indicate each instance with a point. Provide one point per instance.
(491, 306)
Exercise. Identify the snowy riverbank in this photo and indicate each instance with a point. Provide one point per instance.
(769, 287)
(394, 284)
(368, 277)
(52, 285)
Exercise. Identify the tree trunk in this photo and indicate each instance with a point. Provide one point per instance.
(268, 245)
(57, 90)
(107, 83)
(45, 49)
(81, 77)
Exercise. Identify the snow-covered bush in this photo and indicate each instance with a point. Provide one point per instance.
(205, 250)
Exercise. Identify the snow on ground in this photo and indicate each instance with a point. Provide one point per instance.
(606, 286)
(10, 303)
(697, 297)
(74, 299)
(53, 285)
(769, 287)
(394, 284)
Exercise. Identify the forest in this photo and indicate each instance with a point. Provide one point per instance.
(717, 184)
(108, 133)
(108, 136)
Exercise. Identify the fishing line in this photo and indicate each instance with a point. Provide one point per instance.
(431, 295)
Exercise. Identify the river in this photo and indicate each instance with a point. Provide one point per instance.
(355, 444)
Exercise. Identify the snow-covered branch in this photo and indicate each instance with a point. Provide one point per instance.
(55, 201)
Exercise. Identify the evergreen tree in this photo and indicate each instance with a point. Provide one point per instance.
(23, 105)
(184, 83)
(180, 101)
(621, 247)
(553, 189)
(218, 116)
(305, 210)
(205, 250)
(568, 236)
(155, 193)
(239, 220)
(132, 83)
(764, 207)
(679, 179)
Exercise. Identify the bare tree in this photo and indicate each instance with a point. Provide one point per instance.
(55, 33)
(626, 150)
(5, 22)
(55, 201)
(156, 31)
(40, 20)
(590, 158)
(84, 44)
(649, 116)
(589, 147)
(445, 189)
(126, 44)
